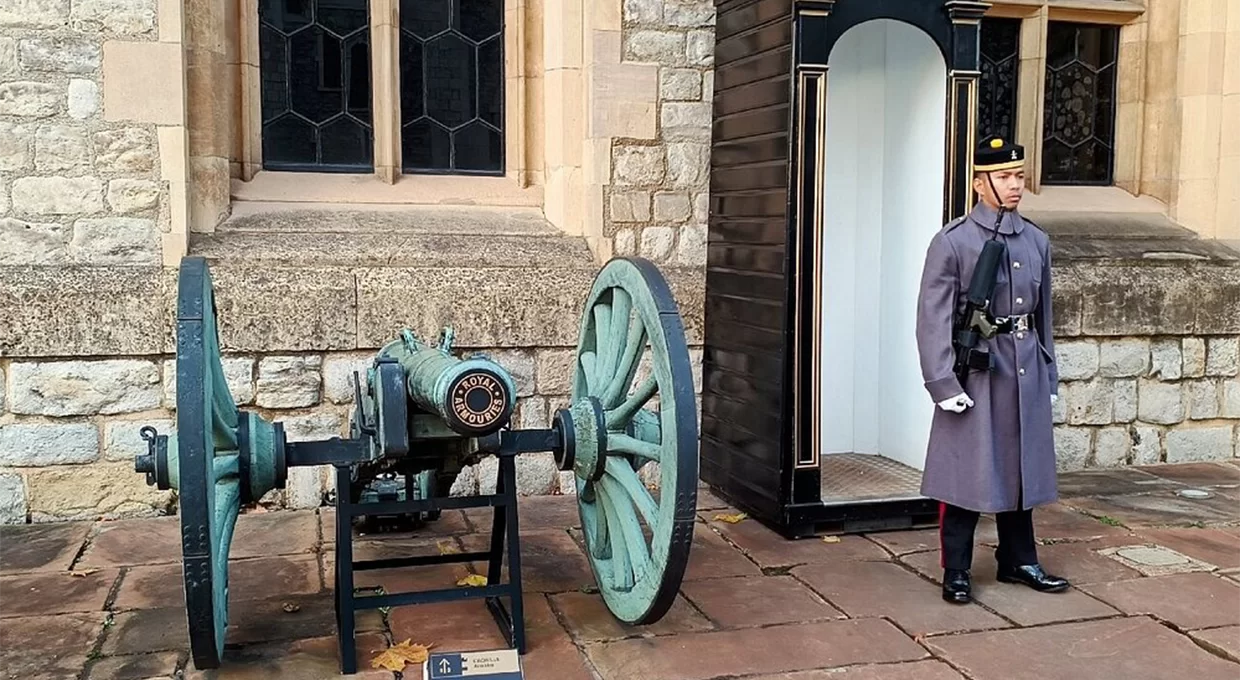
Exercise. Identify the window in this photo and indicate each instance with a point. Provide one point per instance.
(1078, 127)
(1000, 65)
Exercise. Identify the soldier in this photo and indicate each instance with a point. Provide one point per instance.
(991, 443)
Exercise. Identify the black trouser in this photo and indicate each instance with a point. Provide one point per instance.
(956, 526)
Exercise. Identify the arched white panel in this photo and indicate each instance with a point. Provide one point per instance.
(883, 201)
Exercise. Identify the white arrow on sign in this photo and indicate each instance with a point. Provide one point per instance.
(444, 666)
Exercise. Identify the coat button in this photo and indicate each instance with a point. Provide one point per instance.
(1020, 301)
(1020, 335)
(1015, 265)
(1022, 371)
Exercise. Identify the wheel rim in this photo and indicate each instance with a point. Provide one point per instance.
(637, 540)
(207, 451)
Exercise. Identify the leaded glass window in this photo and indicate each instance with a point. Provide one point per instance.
(1078, 128)
(452, 86)
(1000, 62)
(316, 95)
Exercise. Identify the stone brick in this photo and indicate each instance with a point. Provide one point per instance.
(630, 206)
(688, 164)
(537, 474)
(555, 370)
(126, 150)
(680, 84)
(122, 441)
(60, 147)
(1189, 444)
(3, 391)
(520, 365)
(116, 240)
(83, 98)
(663, 47)
(107, 491)
(671, 206)
(67, 388)
(1089, 403)
(1147, 445)
(12, 499)
(60, 55)
(1194, 357)
(531, 414)
(691, 248)
(1077, 359)
(37, 444)
(1123, 358)
(1072, 446)
(689, 14)
(708, 86)
(29, 99)
(1159, 402)
(34, 13)
(686, 120)
(57, 195)
(1222, 356)
(1125, 406)
(639, 165)
(238, 375)
(132, 195)
(643, 11)
(4, 197)
(625, 242)
(1231, 399)
(1202, 399)
(338, 375)
(1166, 360)
(700, 48)
(288, 382)
(1111, 446)
(657, 243)
(15, 146)
(466, 482)
(1059, 408)
(568, 483)
(126, 17)
(27, 243)
(8, 57)
(701, 208)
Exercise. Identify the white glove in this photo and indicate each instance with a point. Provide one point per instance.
(957, 403)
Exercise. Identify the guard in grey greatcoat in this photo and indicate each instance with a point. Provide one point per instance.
(991, 441)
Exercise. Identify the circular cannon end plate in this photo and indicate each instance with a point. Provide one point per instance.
(478, 402)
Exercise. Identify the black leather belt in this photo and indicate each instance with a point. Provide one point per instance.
(1011, 324)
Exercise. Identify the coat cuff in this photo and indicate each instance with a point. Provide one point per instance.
(944, 388)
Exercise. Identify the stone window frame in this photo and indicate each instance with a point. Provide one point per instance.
(1031, 84)
(520, 171)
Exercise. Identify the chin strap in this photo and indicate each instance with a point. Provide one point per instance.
(1002, 208)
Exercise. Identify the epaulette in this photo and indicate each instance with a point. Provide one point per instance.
(954, 223)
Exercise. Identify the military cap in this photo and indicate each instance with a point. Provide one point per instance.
(997, 154)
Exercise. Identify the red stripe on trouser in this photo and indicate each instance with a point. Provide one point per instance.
(942, 546)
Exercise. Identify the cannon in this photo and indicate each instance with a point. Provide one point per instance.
(423, 412)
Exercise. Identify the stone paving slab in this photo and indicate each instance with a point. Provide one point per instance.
(772, 551)
(1136, 648)
(587, 618)
(135, 667)
(1199, 475)
(41, 594)
(41, 547)
(47, 646)
(1188, 601)
(914, 670)
(1213, 546)
(1223, 641)
(745, 601)
(1159, 509)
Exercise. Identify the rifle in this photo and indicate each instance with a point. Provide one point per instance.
(974, 321)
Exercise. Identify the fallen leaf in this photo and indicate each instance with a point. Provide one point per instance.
(731, 519)
(447, 548)
(290, 607)
(473, 580)
(83, 572)
(830, 539)
(397, 657)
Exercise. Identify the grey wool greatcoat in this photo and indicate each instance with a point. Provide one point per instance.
(999, 454)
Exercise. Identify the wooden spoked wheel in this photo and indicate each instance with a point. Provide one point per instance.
(637, 537)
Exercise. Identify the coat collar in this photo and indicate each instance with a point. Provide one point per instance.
(984, 216)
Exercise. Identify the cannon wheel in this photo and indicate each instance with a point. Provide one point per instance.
(637, 540)
(209, 478)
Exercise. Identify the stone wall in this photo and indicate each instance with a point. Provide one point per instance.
(76, 186)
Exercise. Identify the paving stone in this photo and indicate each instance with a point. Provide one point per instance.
(1129, 648)
(588, 619)
(550, 652)
(149, 630)
(706, 500)
(1161, 509)
(712, 557)
(770, 550)
(773, 649)
(40, 547)
(1109, 482)
(1081, 563)
(861, 589)
(298, 532)
(1223, 641)
(1188, 601)
(920, 540)
(136, 667)
(311, 658)
(251, 621)
(746, 601)
(912, 670)
(47, 646)
(460, 626)
(1212, 546)
(1197, 474)
(55, 593)
(1060, 522)
(164, 585)
(533, 513)
(551, 561)
(135, 541)
(1154, 560)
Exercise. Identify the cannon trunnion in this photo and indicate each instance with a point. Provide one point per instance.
(420, 415)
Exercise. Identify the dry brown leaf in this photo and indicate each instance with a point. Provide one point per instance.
(731, 519)
(290, 607)
(447, 548)
(473, 580)
(397, 657)
(830, 539)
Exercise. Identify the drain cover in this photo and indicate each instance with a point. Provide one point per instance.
(1195, 494)
(1155, 560)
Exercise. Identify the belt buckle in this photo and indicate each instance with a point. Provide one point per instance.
(1020, 323)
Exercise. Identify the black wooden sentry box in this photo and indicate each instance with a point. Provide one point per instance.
(760, 394)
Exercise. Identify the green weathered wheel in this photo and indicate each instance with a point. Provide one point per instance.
(637, 539)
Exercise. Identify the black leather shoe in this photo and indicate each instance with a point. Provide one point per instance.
(956, 586)
(1033, 576)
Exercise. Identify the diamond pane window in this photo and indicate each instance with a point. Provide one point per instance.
(452, 86)
(1078, 126)
(316, 98)
(1000, 62)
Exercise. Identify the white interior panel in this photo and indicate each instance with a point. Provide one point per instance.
(883, 199)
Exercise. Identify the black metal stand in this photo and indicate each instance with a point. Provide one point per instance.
(504, 526)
